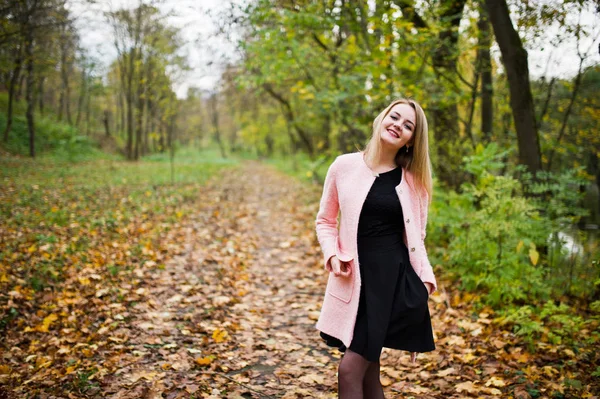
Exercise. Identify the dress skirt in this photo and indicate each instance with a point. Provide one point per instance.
(392, 310)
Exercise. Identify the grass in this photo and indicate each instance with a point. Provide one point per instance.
(300, 165)
(56, 214)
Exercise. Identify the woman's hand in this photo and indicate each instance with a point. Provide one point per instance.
(338, 267)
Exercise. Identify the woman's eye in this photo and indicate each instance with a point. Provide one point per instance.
(394, 118)
(409, 127)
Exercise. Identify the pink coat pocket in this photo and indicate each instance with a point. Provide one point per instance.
(342, 287)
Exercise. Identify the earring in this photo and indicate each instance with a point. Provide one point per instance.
(407, 148)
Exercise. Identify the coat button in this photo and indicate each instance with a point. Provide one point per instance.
(400, 191)
(412, 249)
(407, 220)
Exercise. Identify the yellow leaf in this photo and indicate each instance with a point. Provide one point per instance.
(46, 323)
(83, 280)
(495, 381)
(520, 246)
(569, 352)
(534, 256)
(204, 361)
(220, 335)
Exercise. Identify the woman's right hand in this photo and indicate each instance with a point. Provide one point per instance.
(338, 267)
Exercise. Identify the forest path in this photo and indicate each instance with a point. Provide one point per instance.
(235, 312)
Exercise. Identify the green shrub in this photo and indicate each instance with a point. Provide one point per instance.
(493, 233)
(500, 237)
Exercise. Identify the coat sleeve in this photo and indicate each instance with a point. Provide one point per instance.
(427, 275)
(326, 222)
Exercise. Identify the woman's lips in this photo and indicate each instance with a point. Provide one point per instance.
(393, 133)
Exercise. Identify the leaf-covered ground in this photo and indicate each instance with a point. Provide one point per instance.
(213, 290)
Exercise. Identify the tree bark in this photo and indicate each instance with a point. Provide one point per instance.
(41, 95)
(105, 120)
(514, 57)
(29, 93)
(215, 121)
(11, 92)
(487, 89)
(65, 94)
(445, 113)
(82, 94)
(129, 100)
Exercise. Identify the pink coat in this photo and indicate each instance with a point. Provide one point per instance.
(347, 184)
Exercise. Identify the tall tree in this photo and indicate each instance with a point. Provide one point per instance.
(514, 58)
(487, 89)
(444, 102)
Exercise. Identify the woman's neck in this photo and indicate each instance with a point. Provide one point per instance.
(387, 158)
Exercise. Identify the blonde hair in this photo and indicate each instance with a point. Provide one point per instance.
(416, 160)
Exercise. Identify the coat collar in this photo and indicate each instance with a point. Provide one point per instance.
(406, 174)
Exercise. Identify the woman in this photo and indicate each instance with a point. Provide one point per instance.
(380, 278)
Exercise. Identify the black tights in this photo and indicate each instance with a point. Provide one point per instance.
(358, 378)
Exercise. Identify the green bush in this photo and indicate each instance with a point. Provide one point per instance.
(51, 137)
(500, 237)
(492, 233)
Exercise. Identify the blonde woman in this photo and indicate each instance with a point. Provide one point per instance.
(380, 277)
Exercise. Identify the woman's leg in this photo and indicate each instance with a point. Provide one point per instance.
(372, 388)
(351, 374)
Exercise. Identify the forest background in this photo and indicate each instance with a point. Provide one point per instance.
(515, 215)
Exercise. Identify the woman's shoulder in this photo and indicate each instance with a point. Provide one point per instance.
(349, 158)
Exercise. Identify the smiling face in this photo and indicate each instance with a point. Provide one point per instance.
(398, 126)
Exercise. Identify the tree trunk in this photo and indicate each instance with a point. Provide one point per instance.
(105, 120)
(19, 88)
(514, 58)
(139, 103)
(29, 94)
(487, 89)
(11, 93)
(65, 95)
(445, 112)
(88, 112)
(120, 111)
(82, 94)
(129, 99)
(146, 132)
(215, 121)
(41, 95)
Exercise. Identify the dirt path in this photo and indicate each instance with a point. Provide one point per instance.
(234, 315)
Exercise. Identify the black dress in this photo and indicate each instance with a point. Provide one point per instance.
(392, 310)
